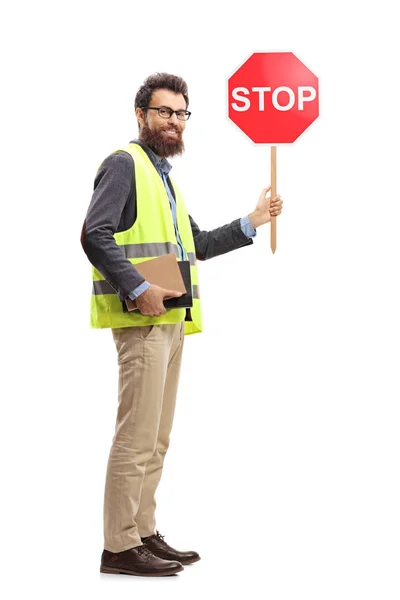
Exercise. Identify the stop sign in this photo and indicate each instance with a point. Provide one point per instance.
(273, 97)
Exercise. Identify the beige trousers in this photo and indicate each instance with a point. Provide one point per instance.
(149, 359)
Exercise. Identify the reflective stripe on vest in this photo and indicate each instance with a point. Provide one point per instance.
(151, 235)
(102, 286)
(154, 249)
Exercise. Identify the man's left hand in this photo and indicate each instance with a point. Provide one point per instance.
(266, 208)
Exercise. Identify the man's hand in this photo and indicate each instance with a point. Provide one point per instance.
(266, 208)
(150, 302)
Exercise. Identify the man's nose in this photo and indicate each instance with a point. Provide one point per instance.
(174, 118)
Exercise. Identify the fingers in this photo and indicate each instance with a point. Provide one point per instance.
(155, 312)
(276, 206)
(160, 310)
(265, 191)
(172, 293)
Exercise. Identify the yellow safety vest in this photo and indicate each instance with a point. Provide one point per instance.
(151, 235)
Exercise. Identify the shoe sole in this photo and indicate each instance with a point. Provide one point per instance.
(114, 571)
(189, 562)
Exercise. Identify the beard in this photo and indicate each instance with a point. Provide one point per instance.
(161, 143)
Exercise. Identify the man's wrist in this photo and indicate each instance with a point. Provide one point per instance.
(255, 219)
(139, 290)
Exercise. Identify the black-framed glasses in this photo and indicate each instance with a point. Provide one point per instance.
(166, 112)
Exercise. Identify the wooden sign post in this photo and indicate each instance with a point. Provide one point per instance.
(273, 194)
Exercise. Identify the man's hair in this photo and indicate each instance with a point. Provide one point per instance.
(159, 81)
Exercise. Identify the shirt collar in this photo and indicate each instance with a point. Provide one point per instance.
(161, 164)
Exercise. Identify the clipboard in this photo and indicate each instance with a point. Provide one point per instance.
(167, 272)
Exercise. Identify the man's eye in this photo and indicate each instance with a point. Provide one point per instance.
(165, 112)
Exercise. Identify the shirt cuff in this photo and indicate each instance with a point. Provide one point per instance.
(247, 227)
(139, 290)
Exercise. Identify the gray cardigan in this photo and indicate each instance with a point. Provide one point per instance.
(113, 209)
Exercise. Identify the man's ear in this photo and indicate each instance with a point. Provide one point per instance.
(140, 116)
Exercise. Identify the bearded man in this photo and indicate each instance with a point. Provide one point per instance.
(136, 213)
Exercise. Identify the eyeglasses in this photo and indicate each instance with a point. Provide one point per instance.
(165, 112)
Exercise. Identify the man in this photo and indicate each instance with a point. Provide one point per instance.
(136, 213)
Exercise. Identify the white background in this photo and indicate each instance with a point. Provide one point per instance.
(283, 468)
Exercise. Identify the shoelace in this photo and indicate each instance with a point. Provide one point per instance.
(143, 550)
(161, 537)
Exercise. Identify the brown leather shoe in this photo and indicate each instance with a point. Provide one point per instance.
(155, 543)
(138, 561)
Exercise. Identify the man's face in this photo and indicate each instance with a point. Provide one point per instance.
(163, 136)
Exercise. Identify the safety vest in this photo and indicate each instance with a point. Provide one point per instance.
(151, 235)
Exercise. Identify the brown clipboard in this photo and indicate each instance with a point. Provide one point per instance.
(162, 271)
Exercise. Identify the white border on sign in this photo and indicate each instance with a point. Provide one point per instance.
(227, 99)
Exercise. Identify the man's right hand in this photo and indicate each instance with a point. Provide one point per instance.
(150, 302)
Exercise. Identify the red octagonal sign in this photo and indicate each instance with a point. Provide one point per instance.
(273, 97)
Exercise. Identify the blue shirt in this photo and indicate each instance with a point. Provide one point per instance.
(163, 168)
